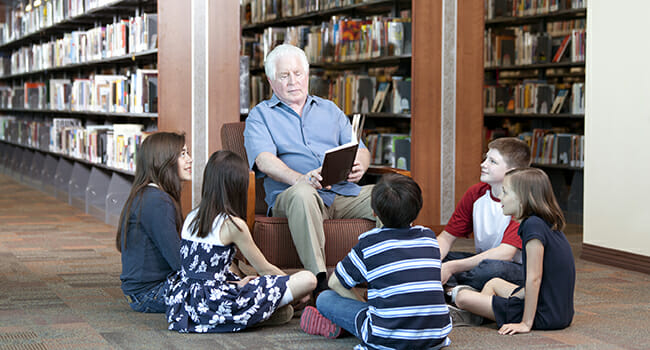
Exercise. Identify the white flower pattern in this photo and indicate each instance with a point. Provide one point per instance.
(201, 299)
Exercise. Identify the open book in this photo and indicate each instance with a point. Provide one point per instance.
(339, 160)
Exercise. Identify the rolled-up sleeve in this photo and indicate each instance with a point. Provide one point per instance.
(257, 138)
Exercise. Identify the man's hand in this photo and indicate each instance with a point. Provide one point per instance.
(312, 178)
(356, 173)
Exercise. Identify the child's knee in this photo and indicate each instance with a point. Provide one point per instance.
(462, 298)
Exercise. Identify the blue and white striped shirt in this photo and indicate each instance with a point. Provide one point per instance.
(407, 308)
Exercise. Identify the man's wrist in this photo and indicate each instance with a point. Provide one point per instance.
(297, 179)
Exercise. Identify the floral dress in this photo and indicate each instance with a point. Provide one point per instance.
(200, 297)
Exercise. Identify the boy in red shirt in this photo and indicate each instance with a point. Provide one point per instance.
(498, 247)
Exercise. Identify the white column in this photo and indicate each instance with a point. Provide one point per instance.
(448, 113)
(200, 86)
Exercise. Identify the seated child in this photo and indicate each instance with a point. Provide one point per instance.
(401, 264)
(205, 296)
(545, 301)
(497, 246)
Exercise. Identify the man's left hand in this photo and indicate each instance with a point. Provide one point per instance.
(356, 173)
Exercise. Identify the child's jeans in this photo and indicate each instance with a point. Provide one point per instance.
(341, 311)
(485, 271)
(152, 301)
(347, 313)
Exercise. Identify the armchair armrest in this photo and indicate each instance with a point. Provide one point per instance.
(382, 169)
(250, 202)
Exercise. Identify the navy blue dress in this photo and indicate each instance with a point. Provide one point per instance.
(555, 302)
(201, 297)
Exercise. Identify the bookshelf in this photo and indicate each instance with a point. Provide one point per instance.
(78, 87)
(349, 70)
(445, 129)
(534, 75)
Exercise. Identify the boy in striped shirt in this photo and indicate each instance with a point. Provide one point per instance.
(401, 265)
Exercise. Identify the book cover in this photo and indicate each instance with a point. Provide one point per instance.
(338, 161)
(562, 49)
(380, 96)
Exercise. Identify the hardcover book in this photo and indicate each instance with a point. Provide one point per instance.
(339, 160)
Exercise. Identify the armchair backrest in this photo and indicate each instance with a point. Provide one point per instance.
(232, 139)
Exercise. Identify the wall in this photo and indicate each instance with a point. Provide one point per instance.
(617, 126)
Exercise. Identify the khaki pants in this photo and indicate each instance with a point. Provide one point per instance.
(305, 211)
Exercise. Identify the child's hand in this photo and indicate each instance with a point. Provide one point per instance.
(244, 281)
(514, 328)
(445, 272)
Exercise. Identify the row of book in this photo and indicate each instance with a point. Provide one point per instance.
(564, 28)
(351, 91)
(124, 37)
(363, 93)
(552, 148)
(113, 145)
(517, 8)
(258, 11)
(534, 97)
(519, 46)
(136, 92)
(389, 149)
(28, 16)
(340, 39)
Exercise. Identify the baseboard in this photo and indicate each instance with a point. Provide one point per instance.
(617, 258)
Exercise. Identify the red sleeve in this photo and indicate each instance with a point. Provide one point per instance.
(461, 223)
(510, 236)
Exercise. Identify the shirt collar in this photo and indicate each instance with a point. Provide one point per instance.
(274, 101)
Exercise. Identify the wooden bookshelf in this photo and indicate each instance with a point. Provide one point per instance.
(425, 118)
(566, 179)
(142, 57)
(97, 188)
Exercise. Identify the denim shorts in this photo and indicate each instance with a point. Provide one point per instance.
(152, 301)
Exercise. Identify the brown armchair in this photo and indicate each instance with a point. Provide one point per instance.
(271, 234)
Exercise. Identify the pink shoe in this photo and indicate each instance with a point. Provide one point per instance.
(312, 322)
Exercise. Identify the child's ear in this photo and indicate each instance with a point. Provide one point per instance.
(373, 214)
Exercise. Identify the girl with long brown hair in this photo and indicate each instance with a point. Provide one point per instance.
(148, 235)
(205, 296)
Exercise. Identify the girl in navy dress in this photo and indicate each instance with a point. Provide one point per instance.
(546, 299)
(205, 296)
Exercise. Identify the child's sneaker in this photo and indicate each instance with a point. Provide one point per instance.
(281, 316)
(312, 322)
(461, 318)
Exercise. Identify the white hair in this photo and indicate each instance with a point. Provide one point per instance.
(270, 64)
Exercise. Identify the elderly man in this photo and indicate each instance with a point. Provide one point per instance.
(286, 138)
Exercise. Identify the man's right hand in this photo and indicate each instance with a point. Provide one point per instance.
(312, 178)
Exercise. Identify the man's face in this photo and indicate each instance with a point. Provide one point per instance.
(291, 83)
(493, 168)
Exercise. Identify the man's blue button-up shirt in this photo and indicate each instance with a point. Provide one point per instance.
(272, 126)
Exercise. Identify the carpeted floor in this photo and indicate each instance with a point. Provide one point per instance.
(60, 289)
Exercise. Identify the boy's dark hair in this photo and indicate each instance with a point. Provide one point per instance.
(514, 151)
(396, 200)
(224, 191)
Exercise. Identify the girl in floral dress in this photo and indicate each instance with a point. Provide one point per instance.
(205, 296)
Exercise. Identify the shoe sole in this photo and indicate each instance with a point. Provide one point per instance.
(463, 318)
(312, 322)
